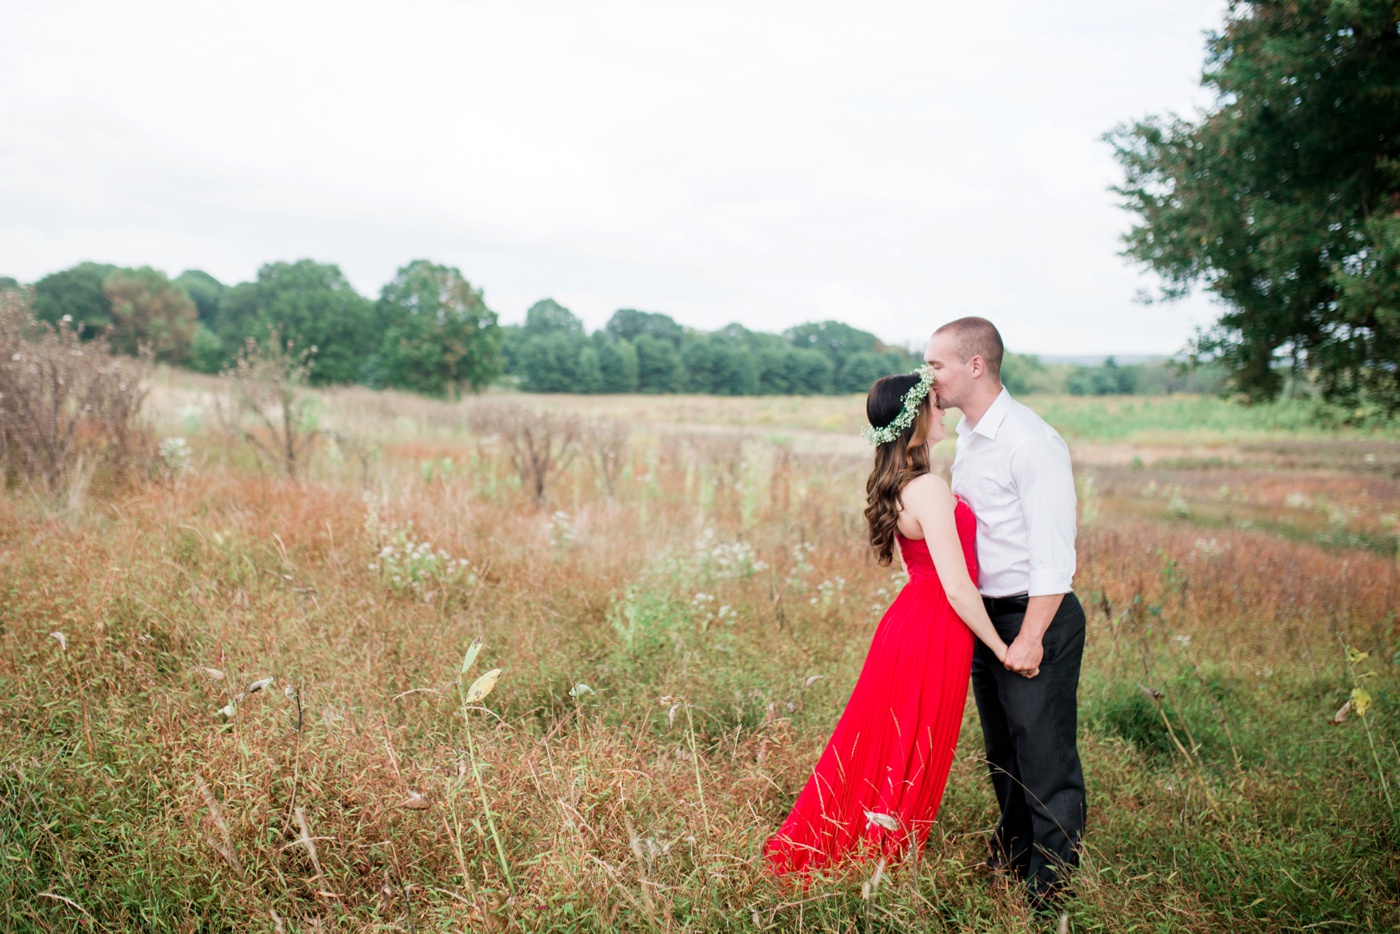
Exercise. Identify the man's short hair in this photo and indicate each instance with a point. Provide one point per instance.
(976, 337)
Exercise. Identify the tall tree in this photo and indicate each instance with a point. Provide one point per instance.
(630, 324)
(549, 317)
(148, 309)
(860, 370)
(311, 304)
(719, 364)
(1283, 198)
(439, 338)
(659, 368)
(550, 363)
(205, 291)
(77, 293)
(835, 339)
(617, 363)
(314, 305)
(808, 372)
(206, 352)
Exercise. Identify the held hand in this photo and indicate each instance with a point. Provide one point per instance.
(1023, 657)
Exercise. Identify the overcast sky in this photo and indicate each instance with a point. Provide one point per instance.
(892, 165)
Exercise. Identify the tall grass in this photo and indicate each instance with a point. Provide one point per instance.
(715, 597)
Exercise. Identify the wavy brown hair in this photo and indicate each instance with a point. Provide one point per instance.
(896, 462)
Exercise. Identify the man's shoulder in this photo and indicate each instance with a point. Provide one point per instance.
(1026, 421)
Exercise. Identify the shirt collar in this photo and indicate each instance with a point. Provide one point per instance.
(991, 419)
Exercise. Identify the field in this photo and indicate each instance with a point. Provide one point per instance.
(677, 626)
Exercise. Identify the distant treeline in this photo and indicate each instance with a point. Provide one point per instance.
(638, 351)
(431, 332)
(1159, 377)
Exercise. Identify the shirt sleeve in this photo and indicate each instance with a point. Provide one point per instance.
(1044, 480)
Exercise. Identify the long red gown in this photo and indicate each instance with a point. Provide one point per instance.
(893, 746)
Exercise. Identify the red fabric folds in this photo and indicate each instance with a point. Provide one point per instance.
(892, 748)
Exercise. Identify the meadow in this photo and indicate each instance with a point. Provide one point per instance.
(235, 701)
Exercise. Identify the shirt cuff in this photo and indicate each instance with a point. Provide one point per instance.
(1050, 582)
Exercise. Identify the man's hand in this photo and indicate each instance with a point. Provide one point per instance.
(1023, 656)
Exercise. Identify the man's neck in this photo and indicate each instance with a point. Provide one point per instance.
(981, 401)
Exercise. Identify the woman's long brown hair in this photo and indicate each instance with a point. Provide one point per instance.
(896, 462)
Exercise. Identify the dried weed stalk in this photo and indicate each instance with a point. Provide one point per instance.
(265, 387)
(540, 444)
(66, 403)
(608, 443)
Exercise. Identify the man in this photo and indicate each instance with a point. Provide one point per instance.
(1014, 471)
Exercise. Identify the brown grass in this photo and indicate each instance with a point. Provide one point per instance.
(369, 817)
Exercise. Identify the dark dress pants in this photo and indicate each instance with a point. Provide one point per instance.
(1029, 726)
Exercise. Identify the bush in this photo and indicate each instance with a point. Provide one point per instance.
(540, 444)
(265, 386)
(66, 406)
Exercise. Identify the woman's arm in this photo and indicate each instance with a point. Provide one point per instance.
(931, 503)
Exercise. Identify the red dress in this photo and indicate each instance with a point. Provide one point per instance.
(893, 746)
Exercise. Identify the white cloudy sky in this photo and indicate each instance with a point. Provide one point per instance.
(892, 165)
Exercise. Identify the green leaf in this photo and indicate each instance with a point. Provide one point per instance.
(472, 651)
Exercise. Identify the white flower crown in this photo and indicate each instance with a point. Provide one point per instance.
(912, 399)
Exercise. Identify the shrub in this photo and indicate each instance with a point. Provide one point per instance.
(66, 406)
(540, 444)
(266, 383)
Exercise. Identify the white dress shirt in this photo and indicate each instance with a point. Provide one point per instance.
(1013, 470)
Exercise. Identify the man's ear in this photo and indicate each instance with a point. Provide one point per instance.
(977, 365)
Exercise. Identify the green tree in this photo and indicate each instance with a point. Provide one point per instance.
(512, 344)
(311, 304)
(238, 318)
(808, 372)
(205, 291)
(207, 352)
(1108, 379)
(149, 310)
(774, 371)
(1283, 198)
(439, 336)
(659, 368)
(77, 294)
(314, 305)
(718, 365)
(617, 363)
(836, 340)
(860, 370)
(549, 317)
(589, 370)
(628, 324)
(550, 363)
(1023, 373)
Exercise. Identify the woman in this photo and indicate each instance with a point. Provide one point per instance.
(881, 777)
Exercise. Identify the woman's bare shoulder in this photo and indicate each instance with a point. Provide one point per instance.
(929, 487)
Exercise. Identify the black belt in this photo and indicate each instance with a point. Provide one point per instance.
(1000, 606)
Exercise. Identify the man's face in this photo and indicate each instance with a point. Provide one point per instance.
(952, 378)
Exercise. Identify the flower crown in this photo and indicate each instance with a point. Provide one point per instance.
(912, 399)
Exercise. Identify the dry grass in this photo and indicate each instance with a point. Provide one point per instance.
(725, 569)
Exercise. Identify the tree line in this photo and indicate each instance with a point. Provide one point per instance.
(430, 331)
(648, 352)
